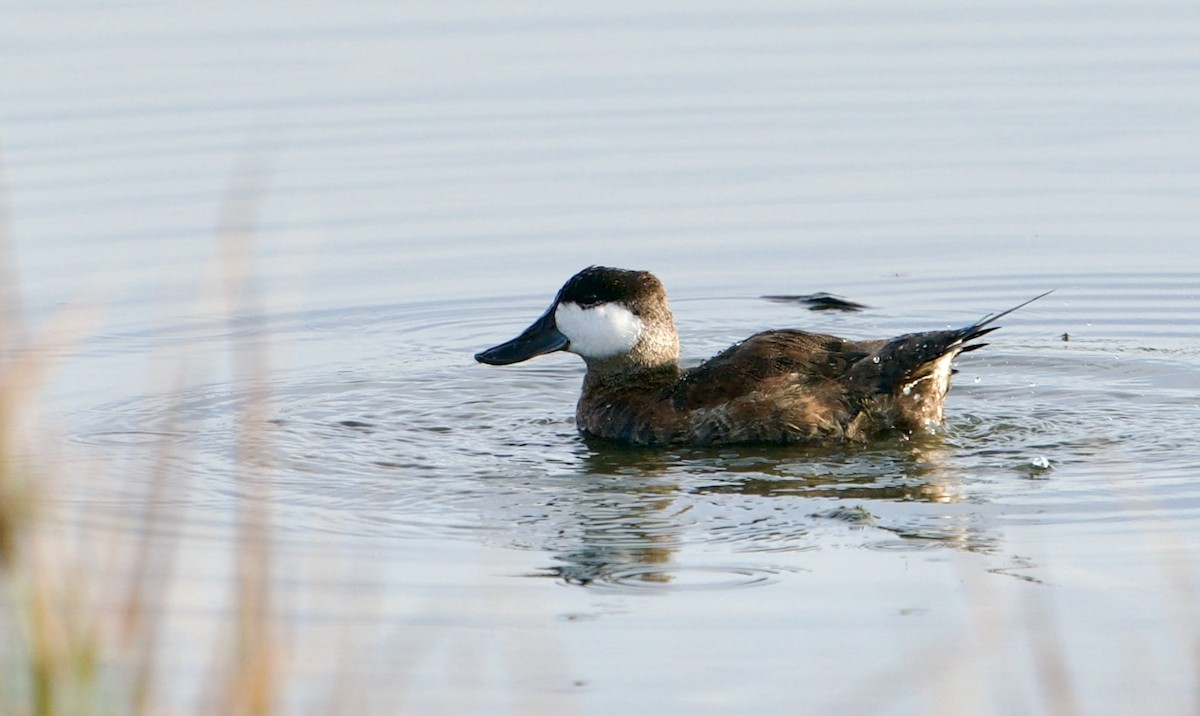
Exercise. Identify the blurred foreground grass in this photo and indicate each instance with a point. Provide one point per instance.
(76, 640)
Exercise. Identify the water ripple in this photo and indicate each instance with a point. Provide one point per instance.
(650, 578)
(421, 441)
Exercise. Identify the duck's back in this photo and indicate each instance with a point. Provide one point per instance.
(812, 360)
(794, 386)
(776, 386)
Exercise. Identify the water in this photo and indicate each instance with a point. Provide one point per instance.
(430, 174)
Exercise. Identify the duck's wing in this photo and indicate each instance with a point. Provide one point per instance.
(766, 358)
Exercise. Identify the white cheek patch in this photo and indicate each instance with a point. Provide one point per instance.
(603, 331)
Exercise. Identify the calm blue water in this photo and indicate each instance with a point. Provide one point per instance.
(405, 185)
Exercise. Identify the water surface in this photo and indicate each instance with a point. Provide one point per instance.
(430, 174)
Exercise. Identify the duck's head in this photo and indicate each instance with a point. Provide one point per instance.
(606, 315)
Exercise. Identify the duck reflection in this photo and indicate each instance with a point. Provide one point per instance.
(631, 510)
(613, 524)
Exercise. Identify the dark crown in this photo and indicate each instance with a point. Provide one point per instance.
(600, 284)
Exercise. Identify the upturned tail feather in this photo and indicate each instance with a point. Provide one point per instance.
(978, 329)
(911, 356)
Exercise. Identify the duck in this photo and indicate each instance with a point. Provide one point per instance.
(783, 386)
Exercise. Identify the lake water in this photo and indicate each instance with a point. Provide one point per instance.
(400, 185)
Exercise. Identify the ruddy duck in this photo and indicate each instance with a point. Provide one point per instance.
(781, 386)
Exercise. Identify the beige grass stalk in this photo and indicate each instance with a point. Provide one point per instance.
(45, 603)
(253, 679)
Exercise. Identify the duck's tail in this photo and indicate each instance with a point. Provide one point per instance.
(905, 359)
(983, 326)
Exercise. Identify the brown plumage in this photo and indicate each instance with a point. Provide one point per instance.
(781, 386)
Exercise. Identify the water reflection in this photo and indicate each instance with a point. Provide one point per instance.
(615, 535)
(638, 510)
(354, 459)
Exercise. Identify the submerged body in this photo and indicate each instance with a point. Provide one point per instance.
(781, 386)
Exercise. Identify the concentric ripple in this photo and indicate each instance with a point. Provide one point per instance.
(675, 578)
(389, 430)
